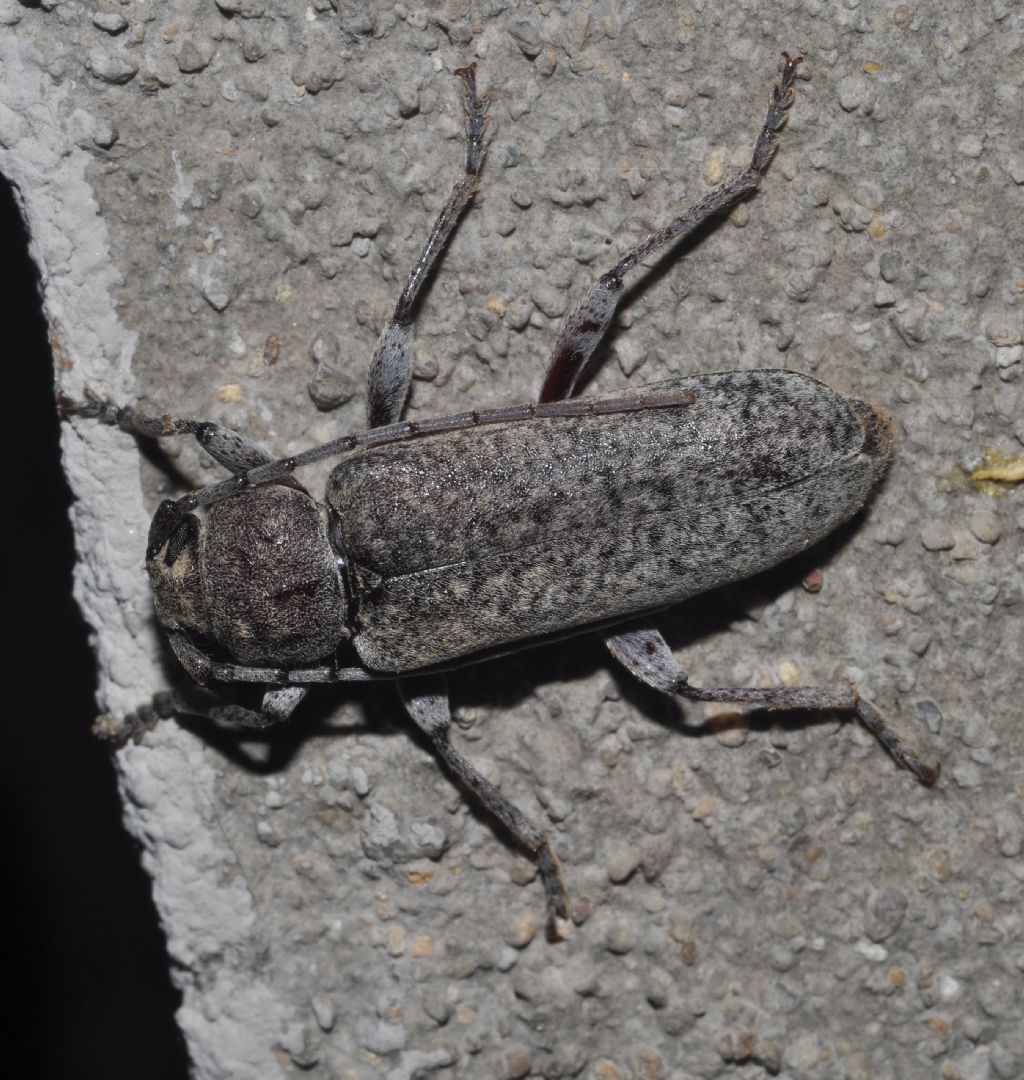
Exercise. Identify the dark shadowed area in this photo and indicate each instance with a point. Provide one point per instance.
(89, 971)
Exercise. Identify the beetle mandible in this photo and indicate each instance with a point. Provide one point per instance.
(444, 541)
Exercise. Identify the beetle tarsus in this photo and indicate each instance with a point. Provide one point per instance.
(476, 119)
(872, 720)
(775, 119)
(550, 870)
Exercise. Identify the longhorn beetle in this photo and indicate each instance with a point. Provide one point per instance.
(444, 541)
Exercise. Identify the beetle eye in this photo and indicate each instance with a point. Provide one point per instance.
(181, 538)
(171, 527)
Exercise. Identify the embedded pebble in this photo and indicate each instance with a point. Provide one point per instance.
(517, 1062)
(105, 133)
(965, 547)
(985, 526)
(325, 1011)
(967, 775)
(547, 62)
(395, 941)
(385, 842)
(522, 929)
(731, 734)
(1007, 1062)
(216, 294)
(1003, 328)
(918, 642)
(971, 146)
(1009, 833)
(250, 204)
(426, 368)
(930, 714)
(789, 673)
(113, 69)
(526, 36)
(997, 995)
(714, 167)
(873, 952)
(518, 313)
(1009, 356)
(551, 301)
(11, 12)
(976, 732)
(813, 581)
(384, 1038)
(885, 914)
(868, 195)
(621, 937)
(937, 536)
(360, 781)
(630, 354)
(853, 92)
(329, 387)
(891, 266)
(113, 22)
(267, 834)
(658, 988)
(621, 861)
(437, 1006)
(191, 58)
(422, 947)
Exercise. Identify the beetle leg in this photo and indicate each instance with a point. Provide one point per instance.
(391, 366)
(204, 669)
(276, 707)
(225, 446)
(585, 325)
(279, 704)
(645, 654)
(426, 701)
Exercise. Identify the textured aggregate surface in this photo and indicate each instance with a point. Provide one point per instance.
(224, 201)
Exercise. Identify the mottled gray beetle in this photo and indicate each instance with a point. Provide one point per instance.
(444, 541)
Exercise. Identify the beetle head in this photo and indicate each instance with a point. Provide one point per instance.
(258, 576)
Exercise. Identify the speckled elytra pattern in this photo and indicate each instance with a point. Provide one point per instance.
(480, 538)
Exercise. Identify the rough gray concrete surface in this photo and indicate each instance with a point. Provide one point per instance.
(213, 189)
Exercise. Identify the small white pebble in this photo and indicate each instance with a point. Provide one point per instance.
(360, 781)
(936, 536)
(326, 1013)
(985, 526)
(971, 146)
(111, 21)
(871, 951)
(853, 92)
